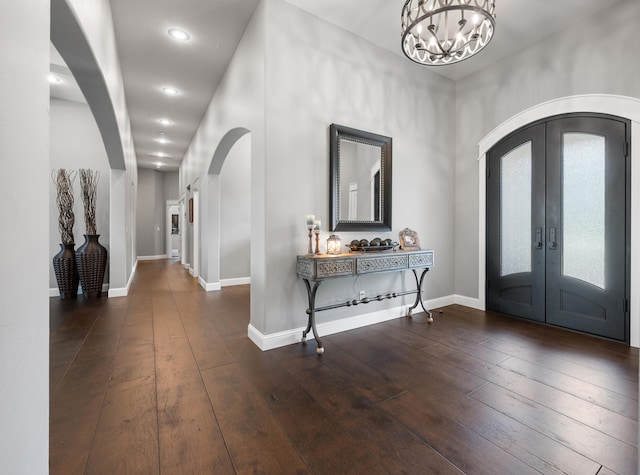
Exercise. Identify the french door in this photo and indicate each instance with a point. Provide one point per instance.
(557, 224)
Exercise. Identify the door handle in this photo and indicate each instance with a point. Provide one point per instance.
(552, 239)
(538, 241)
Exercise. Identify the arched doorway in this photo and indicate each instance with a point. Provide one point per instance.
(236, 143)
(624, 107)
(557, 202)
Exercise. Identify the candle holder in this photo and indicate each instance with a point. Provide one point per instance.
(317, 231)
(310, 228)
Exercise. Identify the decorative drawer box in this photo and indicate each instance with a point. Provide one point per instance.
(319, 267)
(421, 259)
(367, 265)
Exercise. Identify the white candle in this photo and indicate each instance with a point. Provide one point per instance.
(310, 219)
(317, 223)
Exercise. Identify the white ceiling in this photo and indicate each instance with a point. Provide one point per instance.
(150, 59)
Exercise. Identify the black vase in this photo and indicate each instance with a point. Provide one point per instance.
(64, 265)
(91, 260)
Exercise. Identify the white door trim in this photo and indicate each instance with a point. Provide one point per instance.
(168, 239)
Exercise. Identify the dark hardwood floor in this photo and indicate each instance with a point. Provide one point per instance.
(166, 381)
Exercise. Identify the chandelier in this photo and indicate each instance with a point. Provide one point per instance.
(439, 32)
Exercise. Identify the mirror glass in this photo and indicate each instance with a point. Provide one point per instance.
(360, 180)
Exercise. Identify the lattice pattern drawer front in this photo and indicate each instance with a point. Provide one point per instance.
(381, 263)
(305, 268)
(335, 267)
(423, 259)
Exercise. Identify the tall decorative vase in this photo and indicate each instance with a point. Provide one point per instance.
(91, 259)
(64, 265)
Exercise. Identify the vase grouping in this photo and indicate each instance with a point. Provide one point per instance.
(86, 266)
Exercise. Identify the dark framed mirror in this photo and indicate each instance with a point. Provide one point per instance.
(360, 170)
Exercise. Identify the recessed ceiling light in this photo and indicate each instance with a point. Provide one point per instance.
(178, 34)
(158, 164)
(53, 79)
(170, 91)
(162, 139)
(158, 154)
(165, 121)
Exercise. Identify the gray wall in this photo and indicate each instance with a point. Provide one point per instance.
(24, 191)
(154, 189)
(235, 212)
(435, 124)
(346, 80)
(594, 56)
(91, 53)
(24, 188)
(74, 143)
(307, 86)
(238, 103)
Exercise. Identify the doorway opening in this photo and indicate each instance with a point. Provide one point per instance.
(174, 229)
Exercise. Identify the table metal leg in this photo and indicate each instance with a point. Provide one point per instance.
(419, 295)
(311, 312)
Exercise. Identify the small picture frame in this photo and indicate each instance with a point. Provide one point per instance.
(191, 210)
(409, 240)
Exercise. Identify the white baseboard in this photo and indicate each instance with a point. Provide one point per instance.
(152, 258)
(289, 337)
(124, 291)
(191, 272)
(236, 281)
(468, 302)
(208, 286)
(438, 302)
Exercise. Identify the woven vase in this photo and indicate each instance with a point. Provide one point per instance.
(91, 260)
(64, 265)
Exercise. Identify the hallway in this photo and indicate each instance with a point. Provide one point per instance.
(166, 381)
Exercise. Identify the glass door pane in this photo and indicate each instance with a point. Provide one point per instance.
(583, 207)
(515, 210)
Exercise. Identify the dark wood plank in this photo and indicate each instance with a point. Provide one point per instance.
(578, 436)
(535, 449)
(207, 345)
(126, 438)
(463, 447)
(602, 397)
(255, 440)
(404, 365)
(74, 412)
(398, 449)
(609, 422)
(190, 439)
(445, 335)
(595, 370)
(367, 379)
(322, 444)
(167, 324)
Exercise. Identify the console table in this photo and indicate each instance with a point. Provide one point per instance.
(317, 268)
